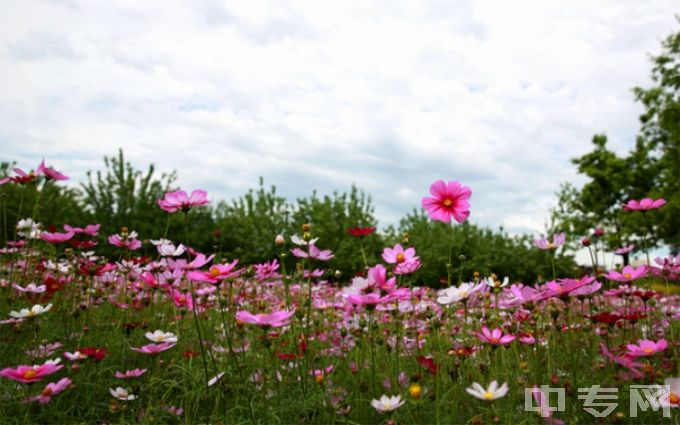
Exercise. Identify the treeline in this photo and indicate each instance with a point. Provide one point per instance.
(245, 228)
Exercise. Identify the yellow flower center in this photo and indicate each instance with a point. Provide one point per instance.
(182, 299)
(401, 257)
(488, 395)
(647, 350)
(415, 390)
(448, 202)
(47, 392)
(30, 373)
(214, 271)
(674, 398)
(627, 275)
(550, 245)
(495, 341)
(318, 379)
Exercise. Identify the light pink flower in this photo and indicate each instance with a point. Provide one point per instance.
(495, 337)
(624, 249)
(134, 373)
(90, 229)
(275, 319)
(448, 200)
(154, 349)
(180, 201)
(313, 252)
(31, 287)
(628, 274)
(646, 347)
(50, 390)
(28, 374)
(398, 255)
(557, 241)
(643, 205)
(129, 241)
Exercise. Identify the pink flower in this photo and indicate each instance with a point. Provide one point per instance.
(126, 241)
(378, 276)
(215, 273)
(557, 241)
(275, 319)
(495, 337)
(180, 201)
(56, 237)
(628, 274)
(313, 252)
(643, 205)
(182, 299)
(448, 200)
(50, 173)
(90, 229)
(398, 255)
(50, 390)
(646, 347)
(28, 374)
(154, 349)
(21, 177)
(624, 249)
(134, 373)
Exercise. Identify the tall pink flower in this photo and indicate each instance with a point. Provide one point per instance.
(495, 337)
(215, 273)
(448, 200)
(557, 241)
(643, 205)
(313, 252)
(646, 347)
(50, 390)
(28, 374)
(126, 241)
(180, 201)
(627, 274)
(50, 173)
(56, 237)
(274, 320)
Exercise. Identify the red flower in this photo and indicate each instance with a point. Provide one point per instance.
(97, 353)
(358, 232)
(428, 363)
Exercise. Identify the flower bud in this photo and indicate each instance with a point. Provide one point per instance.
(585, 242)
(598, 232)
(279, 240)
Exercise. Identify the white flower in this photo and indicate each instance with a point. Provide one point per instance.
(301, 242)
(387, 404)
(122, 394)
(34, 311)
(215, 378)
(495, 283)
(491, 393)
(166, 248)
(31, 287)
(160, 336)
(29, 229)
(455, 294)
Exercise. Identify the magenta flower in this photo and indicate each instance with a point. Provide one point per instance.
(313, 253)
(50, 390)
(21, 177)
(153, 349)
(50, 173)
(628, 274)
(646, 347)
(215, 273)
(28, 374)
(180, 201)
(182, 299)
(90, 229)
(274, 320)
(56, 237)
(448, 200)
(134, 373)
(557, 241)
(643, 205)
(495, 337)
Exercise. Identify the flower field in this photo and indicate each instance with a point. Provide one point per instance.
(182, 336)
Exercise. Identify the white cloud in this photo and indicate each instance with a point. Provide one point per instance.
(387, 95)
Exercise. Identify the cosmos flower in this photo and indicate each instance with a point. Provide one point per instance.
(180, 201)
(50, 173)
(27, 374)
(557, 241)
(387, 404)
(122, 394)
(493, 392)
(358, 232)
(134, 373)
(275, 319)
(643, 205)
(153, 349)
(56, 237)
(50, 390)
(160, 336)
(624, 249)
(495, 337)
(313, 252)
(628, 274)
(646, 347)
(454, 294)
(448, 200)
(33, 311)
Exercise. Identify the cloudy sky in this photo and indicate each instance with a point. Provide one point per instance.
(387, 95)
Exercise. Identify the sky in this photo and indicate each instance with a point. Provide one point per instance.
(319, 95)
